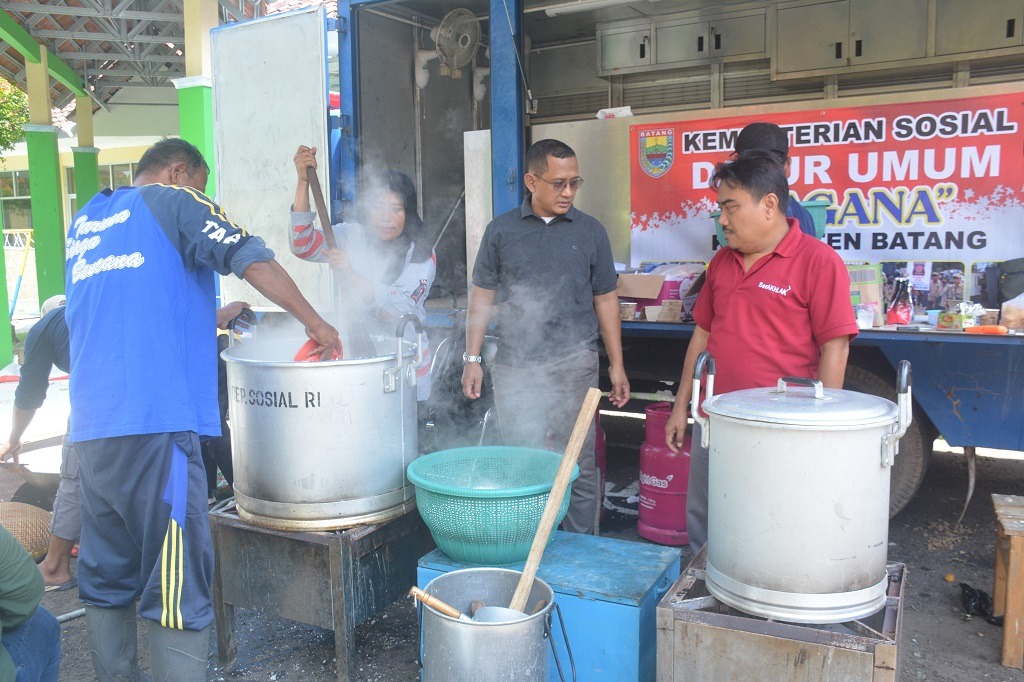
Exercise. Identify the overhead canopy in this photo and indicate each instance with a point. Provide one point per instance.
(102, 45)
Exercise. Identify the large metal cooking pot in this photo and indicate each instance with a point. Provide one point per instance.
(798, 496)
(322, 445)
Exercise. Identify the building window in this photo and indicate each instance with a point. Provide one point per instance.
(15, 205)
(120, 175)
(21, 183)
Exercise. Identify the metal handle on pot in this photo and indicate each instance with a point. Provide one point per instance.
(705, 361)
(905, 405)
(551, 642)
(247, 316)
(400, 336)
(819, 388)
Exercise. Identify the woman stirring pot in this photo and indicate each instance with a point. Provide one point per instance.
(389, 263)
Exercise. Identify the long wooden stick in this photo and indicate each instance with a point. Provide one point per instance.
(547, 520)
(321, 207)
(436, 604)
(359, 339)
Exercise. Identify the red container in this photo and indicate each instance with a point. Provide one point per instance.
(663, 478)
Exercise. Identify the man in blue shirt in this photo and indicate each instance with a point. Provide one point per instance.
(141, 400)
(771, 138)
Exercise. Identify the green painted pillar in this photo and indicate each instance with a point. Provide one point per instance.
(87, 173)
(6, 343)
(47, 208)
(195, 119)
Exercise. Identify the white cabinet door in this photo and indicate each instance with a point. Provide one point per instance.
(888, 30)
(812, 36)
(963, 26)
(624, 48)
(738, 36)
(682, 42)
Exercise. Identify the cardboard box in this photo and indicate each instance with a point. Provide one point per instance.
(954, 321)
(866, 287)
(669, 311)
(647, 290)
(640, 286)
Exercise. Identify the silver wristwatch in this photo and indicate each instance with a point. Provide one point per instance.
(467, 358)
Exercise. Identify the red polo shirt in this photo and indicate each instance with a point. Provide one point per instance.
(770, 322)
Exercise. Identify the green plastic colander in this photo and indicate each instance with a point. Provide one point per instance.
(483, 504)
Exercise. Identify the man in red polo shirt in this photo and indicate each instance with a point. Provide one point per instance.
(775, 303)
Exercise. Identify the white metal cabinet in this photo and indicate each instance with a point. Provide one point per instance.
(624, 47)
(975, 26)
(691, 41)
(811, 37)
(682, 41)
(841, 33)
(888, 30)
(739, 36)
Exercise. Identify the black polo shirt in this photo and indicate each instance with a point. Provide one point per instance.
(546, 276)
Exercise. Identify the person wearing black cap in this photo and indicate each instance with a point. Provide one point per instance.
(771, 138)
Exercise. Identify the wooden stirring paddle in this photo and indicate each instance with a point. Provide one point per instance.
(547, 520)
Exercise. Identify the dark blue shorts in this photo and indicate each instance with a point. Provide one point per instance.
(145, 528)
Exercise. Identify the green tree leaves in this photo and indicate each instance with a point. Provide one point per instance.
(13, 115)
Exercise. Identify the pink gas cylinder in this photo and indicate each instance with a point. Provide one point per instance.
(663, 478)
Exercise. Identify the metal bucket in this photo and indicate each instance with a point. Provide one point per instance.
(321, 445)
(453, 649)
(798, 497)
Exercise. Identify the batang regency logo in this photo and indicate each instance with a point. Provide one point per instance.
(657, 150)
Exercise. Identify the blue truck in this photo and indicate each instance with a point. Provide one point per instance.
(910, 130)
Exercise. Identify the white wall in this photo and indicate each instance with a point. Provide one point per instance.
(139, 111)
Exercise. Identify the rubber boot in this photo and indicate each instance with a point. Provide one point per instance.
(178, 655)
(113, 639)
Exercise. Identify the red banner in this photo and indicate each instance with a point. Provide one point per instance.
(927, 181)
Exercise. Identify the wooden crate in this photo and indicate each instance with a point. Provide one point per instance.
(700, 638)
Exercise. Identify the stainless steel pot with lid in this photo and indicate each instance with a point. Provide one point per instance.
(798, 495)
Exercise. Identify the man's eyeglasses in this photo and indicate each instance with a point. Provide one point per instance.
(559, 185)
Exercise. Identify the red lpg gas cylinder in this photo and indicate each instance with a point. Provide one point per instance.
(663, 478)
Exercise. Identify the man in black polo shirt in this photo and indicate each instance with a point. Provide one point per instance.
(547, 268)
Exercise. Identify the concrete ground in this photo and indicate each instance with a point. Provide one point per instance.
(937, 641)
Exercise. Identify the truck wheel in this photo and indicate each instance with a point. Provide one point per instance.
(915, 446)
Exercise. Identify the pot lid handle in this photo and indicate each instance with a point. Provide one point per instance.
(404, 322)
(904, 376)
(704, 359)
(244, 321)
(819, 388)
(905, 403)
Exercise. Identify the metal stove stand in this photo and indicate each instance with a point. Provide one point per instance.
(700, 638)
(333, 580)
